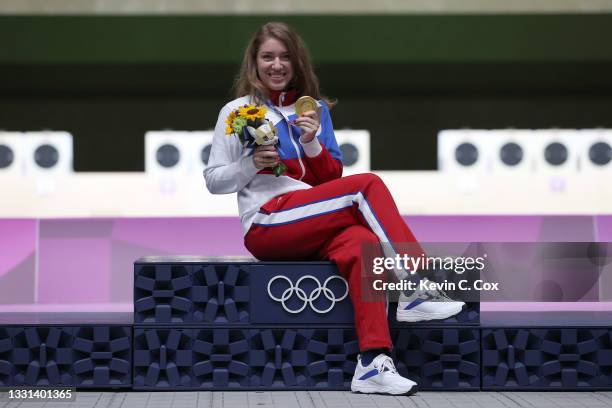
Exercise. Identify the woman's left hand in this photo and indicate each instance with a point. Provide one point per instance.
(308, 124)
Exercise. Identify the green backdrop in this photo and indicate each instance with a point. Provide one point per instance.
(109, 79)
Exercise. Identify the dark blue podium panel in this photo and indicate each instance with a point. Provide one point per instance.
(87, 356)
(167, 293)
(42, 355)
(163, 293)
(221, 293)
(279, 358)
(220, 358)
(439, 358)
(102, 356)
(303, 358)
(325, 357)
(6, 363)
(547, 358)
(225, 359)
(548, 319)
(209, 291)
(191, 358)
(299, 293)
(163, 358)
(295, 358)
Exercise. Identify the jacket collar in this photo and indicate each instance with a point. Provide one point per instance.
(282, 98)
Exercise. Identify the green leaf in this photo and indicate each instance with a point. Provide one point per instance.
(280, 169)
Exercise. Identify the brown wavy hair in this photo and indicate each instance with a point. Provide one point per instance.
(304, 81)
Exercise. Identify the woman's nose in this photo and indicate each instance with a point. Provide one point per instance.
(276, 63)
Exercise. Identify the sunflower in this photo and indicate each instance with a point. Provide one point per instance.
(252, 112)
(230, 121)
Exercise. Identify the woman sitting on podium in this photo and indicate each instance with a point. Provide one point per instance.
(294, 203)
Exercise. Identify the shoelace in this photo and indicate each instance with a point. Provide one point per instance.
(438, 294)
(383, 363)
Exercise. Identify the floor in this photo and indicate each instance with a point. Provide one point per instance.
(326, 399)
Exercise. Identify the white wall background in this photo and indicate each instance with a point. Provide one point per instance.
(300, 6)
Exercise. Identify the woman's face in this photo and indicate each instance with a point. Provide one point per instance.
(274, 65)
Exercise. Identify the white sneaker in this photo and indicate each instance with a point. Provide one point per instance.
(426, 305)
(381, 377)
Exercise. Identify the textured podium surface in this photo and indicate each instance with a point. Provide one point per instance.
(242, 291)
(546, 350)
(211, 323)
(243, 358)
(567, 358)
(238, 324)
(546, 319)
(82, 355)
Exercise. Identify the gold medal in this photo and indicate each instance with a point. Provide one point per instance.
(305, 104)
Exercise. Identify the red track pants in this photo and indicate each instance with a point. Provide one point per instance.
(331, 221)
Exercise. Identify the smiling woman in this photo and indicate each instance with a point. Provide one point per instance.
(276, 60)
(308, 211)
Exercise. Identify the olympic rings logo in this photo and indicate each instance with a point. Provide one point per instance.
(314, 295)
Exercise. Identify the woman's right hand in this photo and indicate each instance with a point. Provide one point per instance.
(265, 156)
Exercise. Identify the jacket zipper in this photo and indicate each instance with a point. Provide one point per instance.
(281, 99)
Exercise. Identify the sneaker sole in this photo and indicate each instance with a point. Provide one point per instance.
(364, 389)
(413, 316)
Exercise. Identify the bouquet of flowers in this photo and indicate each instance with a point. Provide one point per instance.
(250, 125)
